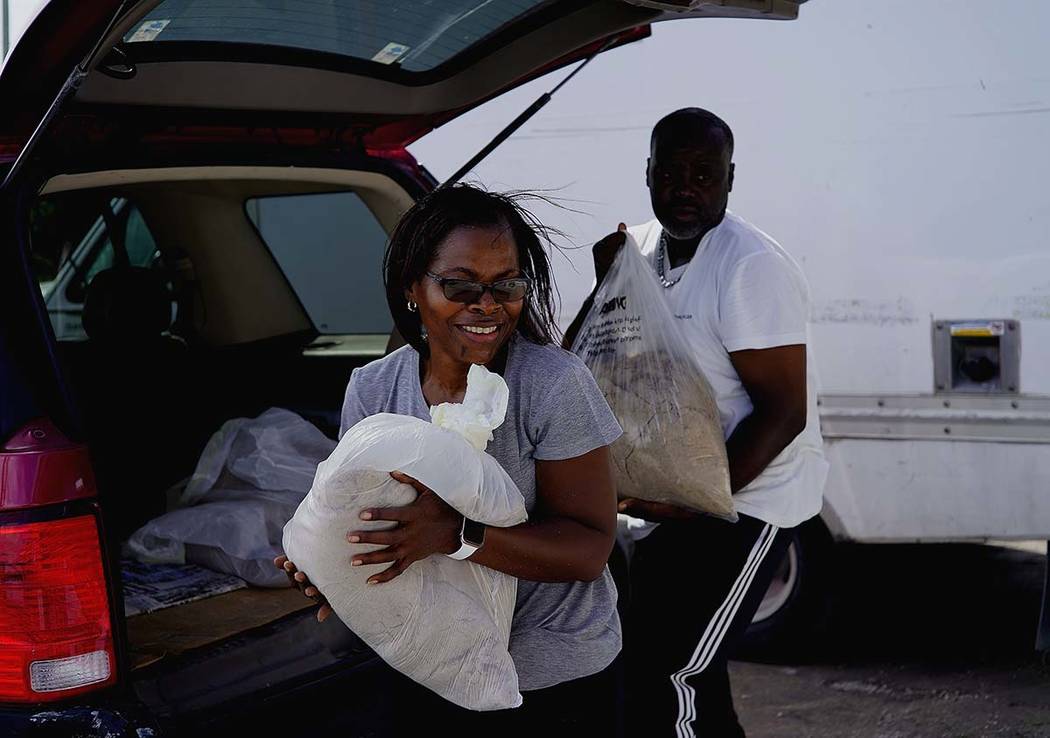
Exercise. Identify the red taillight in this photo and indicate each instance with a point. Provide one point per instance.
(9, 149)
(56, 640)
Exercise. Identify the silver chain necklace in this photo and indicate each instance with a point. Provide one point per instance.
(661, 250)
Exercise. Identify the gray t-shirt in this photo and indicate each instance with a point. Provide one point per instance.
(561, 631)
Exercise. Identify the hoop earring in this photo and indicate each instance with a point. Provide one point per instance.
(412, 307)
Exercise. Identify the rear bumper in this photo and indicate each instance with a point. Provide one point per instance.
(84, 720)
(928, 468)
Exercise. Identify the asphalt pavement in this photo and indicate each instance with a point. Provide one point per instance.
(926, 640)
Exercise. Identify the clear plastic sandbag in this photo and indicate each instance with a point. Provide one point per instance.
(672, 449)
(442, 622)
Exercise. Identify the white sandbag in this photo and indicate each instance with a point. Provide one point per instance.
(442, 622)
(278, 450)
(672, 449)
(250, 478)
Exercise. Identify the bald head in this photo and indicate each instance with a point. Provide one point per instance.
(691, 127)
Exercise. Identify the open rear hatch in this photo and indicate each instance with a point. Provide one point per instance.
(379, 73)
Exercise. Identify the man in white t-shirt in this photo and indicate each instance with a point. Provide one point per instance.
(743, 302)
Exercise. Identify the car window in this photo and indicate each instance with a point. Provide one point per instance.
(71, 243)
(412, 35)
(330, 248)
(60, 225)
(138, 241)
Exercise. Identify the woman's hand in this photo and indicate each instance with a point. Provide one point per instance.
(654, 512)
(298, 579)
(425, 527)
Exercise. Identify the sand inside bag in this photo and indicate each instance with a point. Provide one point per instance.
(672, 449)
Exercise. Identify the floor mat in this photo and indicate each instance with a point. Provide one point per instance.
(175, 630)
(152, 587)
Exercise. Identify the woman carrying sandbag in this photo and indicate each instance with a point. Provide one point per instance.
(468, 282)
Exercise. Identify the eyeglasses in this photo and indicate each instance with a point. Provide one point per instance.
(464, 290)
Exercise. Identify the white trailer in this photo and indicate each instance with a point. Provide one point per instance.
(899, 151)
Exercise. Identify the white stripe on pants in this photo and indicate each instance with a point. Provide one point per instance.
(715, 632)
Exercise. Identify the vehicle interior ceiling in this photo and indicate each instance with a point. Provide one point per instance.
(209, 328)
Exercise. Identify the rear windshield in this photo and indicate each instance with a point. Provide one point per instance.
(330, 247)
(414, 35)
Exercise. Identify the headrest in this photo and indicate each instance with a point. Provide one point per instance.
(127, 303)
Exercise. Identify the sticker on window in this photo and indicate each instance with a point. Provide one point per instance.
(148, 31)
(391, 53)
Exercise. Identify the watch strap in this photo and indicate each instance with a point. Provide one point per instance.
(465, 551)
(467, 547)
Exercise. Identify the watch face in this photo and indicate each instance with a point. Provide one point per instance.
(474, 533)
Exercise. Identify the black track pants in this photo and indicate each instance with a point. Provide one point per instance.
(694, 588)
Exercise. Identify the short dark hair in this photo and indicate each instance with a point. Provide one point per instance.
(688, 125)
(415, 240)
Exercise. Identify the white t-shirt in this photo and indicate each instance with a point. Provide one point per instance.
(743, 291)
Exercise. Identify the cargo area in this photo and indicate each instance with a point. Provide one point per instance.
(164, 337)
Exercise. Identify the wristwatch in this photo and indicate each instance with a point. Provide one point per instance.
(471, 538)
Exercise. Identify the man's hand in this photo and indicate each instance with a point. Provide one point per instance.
(604, 253)
(654, 512)
(606, 250)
